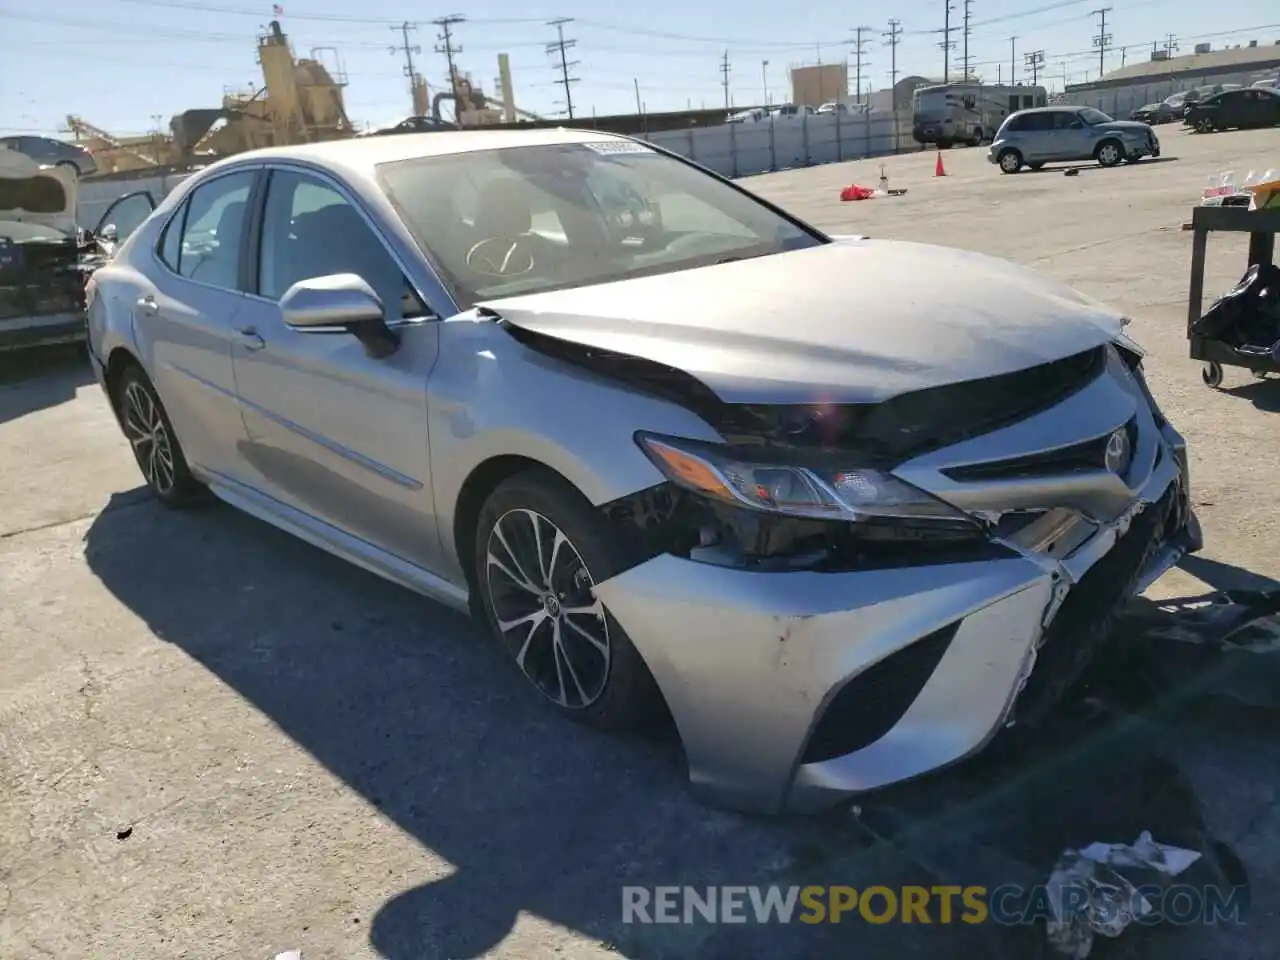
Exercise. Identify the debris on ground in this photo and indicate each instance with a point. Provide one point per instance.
(124, 833)
(289, 955)
(1089, 895)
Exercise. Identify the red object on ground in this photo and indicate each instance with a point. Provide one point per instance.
(855, 192)
(938, 169)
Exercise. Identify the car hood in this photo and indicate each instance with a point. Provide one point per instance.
(849, 322)
(30, 193)
(1124, 125)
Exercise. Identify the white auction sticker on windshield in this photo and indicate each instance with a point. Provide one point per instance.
(618, 146)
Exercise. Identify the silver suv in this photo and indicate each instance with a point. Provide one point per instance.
(1043, 135)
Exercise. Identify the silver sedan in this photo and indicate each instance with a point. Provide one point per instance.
(845, 508)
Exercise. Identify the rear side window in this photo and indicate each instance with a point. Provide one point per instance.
(170, 249)
(214, 227)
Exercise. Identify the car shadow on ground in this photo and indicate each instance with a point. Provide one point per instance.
(412, 708)
(1093, 165)
(1263, 394)
(38, 378)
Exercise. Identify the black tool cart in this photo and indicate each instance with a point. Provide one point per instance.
(1262, 226)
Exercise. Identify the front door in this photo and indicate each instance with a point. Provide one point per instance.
(1070, 136)
(124, 216)
(332, 431)
(188, 314)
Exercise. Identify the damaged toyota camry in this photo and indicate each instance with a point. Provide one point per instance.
(680, 450)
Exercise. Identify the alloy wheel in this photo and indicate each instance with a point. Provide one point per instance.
(547, 614)
(1010, 163)
(1108, 154)
(145, 428)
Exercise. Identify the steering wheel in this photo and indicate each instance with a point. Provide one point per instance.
(500, 257)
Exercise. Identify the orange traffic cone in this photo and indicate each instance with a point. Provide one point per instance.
(938, 169)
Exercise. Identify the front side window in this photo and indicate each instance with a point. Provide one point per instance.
(212, 234)
(127, 214)
(527, 220)
(1094, 117)
(311, 230)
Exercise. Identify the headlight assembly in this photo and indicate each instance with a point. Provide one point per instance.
(849, 493)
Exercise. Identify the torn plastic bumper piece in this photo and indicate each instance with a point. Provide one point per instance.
(793, 690)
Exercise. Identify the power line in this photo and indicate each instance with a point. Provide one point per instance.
(893, 33)
(408, 50)
(446, 25)
(1103, 39)
(858, 43)
(562, 47)
(1034, 60)
(724, 77)
(947, 43)
(967, 5)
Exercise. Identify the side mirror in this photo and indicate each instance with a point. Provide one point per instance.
(108, 233)
(342, 302)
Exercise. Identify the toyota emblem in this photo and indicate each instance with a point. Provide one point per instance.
(1119, 454)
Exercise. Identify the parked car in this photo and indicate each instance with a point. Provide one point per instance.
(1157, 113)
(1250, 107)
(675, 452)
(53, 153)
(748, 116)
(45, 257)
(790, 111)
(832, 107)
(1043, 135)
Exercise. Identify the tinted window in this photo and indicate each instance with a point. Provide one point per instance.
(310, 230)
(170, 244)
(1037, 121)
(1066, 121)
(211, 236)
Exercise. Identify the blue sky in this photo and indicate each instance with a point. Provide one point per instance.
(125, 65)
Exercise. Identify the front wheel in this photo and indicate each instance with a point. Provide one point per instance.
(540, 551)
(1211, 374)
(1010, 161)
(1109, 153)
(155, 444)
(1204, 125)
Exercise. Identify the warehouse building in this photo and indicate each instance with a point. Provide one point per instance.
(1137, 84)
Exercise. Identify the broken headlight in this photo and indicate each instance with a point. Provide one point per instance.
(818, 492)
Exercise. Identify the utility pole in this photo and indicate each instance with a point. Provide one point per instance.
(1034, 60)
(1171, 44)
(947, 43)
(893, 33)
(857, 60)
(724, 77)
(1103, 39)
(408, 50)
(639, 108)
(764, 80)
(1013, 60)
(562, 47)
(446, 25)
(967, 4)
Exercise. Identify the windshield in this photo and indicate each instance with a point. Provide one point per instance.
(1094, 117)
(930, 106)
(527, 220)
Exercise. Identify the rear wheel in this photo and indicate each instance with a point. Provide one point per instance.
(1010, 161)
(976, 139)
(540, 550)
(1109, 153)
(155, 444)
(1204, 125)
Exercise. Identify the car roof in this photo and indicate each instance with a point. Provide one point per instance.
(361, 155)
(1050, 109)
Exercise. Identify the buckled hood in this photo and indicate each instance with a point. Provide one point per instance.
(856, 321)
(35, 195)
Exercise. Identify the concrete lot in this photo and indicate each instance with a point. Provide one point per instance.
(216, 741)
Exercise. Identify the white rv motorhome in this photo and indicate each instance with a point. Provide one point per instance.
(968, 112)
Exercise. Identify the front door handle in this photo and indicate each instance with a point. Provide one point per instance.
(251, 338)
(148, 305)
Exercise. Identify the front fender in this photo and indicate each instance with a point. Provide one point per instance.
(491, 396)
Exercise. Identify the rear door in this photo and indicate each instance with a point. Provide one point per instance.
(186, 320)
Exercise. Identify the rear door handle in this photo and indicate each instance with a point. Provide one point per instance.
(147, 304)
(251, 338)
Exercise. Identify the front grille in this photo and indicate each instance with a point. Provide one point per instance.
(1085, 617)
(1087, 457)
(870, 704)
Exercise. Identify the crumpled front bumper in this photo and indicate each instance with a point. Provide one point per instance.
(928, 660)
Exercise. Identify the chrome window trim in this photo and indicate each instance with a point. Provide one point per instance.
(156, 259)
(330, 180)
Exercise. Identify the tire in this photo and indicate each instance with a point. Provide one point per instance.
(1211, 373)
(944, 144)
(1038, 165)
(69, 163)
(582, 663)
(1109, 153)
(155, 445)
(1204, 125)
(976, 139)
(1010, 161)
